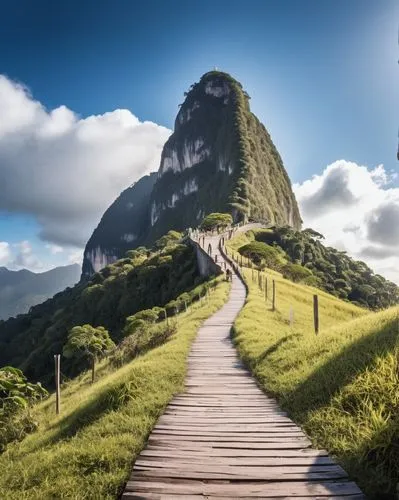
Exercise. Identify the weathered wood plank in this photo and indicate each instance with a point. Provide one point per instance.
(290, 489)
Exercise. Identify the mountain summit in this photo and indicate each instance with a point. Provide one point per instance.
(220, 158)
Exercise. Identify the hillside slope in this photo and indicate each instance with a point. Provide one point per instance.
(88, 450)
(20, 290)
(340, 385)
(302, 256)
(142, 280)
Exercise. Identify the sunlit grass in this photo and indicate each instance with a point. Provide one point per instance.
(341, 386)
(88, 451)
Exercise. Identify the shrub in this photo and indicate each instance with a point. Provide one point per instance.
(295, 272)
(263, 255)
(16, 396)
(216, 221)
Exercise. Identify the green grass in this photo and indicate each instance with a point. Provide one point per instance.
(341, 386)
(88, 451)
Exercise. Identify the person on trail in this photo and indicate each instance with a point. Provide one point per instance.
(228, 275)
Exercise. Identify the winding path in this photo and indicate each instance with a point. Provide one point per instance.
(224, 438)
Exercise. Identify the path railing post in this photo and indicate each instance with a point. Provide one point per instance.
(57, 358)
(266, 288)
(274, 296)
(316, 313)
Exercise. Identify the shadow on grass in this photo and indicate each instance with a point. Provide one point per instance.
(275, 346)
(341, 369)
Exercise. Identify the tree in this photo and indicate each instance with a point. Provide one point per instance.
(88, 342)
(216, 221)
(167, 239)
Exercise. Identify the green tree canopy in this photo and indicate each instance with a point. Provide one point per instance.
(88, 342)
(216, 221)
(263, 255)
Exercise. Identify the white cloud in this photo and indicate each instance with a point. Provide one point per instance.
(54, 249)
(75, 257)
(357, 211)
(5, 253)
(25, 258)
(66, 170)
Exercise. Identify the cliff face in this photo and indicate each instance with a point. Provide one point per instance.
(220, 158)
(121, 227)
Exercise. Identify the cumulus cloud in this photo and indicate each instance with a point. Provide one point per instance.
(25, 258)
(357, 210)
(5, 253)
(54, 249)
(66, 170)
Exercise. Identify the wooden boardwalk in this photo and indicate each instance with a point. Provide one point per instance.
(223, 438)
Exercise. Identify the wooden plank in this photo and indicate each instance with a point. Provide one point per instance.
(133, 496)
(238, 468)
(235, 474)
(192, 445)
(236, 452)
(289, 489)
(180, 456)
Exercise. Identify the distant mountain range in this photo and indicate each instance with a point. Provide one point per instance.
(20, 290)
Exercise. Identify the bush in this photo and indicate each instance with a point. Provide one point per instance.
(263, 255)
(295, 272)
(16, 396)
(140, 342)
(216, 221)
(170, 238)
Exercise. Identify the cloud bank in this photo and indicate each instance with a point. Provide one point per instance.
(65, 170)
(357, 211)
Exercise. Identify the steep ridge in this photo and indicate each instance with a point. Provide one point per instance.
(220, 158)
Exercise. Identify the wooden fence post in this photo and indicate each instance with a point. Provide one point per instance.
(316, 313)
(57, 383)
(266, 288)
(274, 296)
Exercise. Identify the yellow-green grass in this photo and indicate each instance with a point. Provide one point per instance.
(341, 386)
(88, 451)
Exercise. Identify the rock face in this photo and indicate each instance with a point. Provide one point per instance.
(220, 158)
(121, 228)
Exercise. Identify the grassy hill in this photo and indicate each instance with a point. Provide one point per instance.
(341, 386)
(88, 451)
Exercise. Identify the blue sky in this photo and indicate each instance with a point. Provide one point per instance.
(322, 74)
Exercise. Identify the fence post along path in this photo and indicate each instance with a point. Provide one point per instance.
(223, 437)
